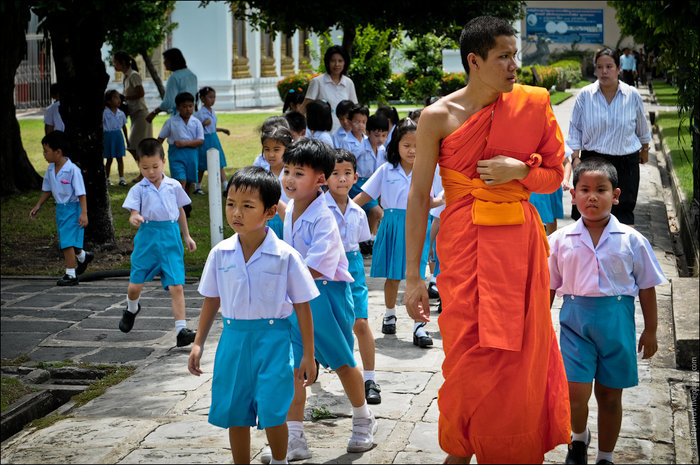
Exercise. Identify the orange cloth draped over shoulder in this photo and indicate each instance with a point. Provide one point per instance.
(505, 396)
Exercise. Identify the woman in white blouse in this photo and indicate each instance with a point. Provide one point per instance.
(134, 94)
(333, 85)
(608, 121)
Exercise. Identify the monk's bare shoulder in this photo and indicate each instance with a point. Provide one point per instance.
(445, 116)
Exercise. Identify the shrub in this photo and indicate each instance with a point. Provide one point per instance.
(548, 76)
(525, 76)
(370, 67)
(397, 87)
(452, 82)
(299, 82)
(423, 87)
(425, 74)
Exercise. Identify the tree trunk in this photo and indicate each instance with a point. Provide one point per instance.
(348, 38)
(154, 74)
(82, 81)
(16, 172)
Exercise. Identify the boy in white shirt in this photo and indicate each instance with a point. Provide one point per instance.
(52, 115)
(599, 265)
(258, 281)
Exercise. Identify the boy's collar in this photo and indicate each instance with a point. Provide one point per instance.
(269, 245)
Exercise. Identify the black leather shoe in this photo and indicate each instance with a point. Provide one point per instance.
(365, 248)
(185, 337)
(439, 309)
(80, 269)
(421, 341)
(372, 391)
(578, 452)
(389, 325)
(604, 462)
(433, 291)
(67, 280)
(127, 321)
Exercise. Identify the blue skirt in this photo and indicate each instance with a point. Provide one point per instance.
(70, 233)
(389, 251)
(183, 163)
(277, 225)
(114, 144)
(210, 141)
(158, 250)
(356, 268)
(549, 206)
(357, 189)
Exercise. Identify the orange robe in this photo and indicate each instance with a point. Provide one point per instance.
(505, 396)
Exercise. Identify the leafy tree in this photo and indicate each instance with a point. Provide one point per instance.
(141, 28)
(370, 68)
(425, 74)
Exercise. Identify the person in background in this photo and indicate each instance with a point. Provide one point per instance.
(135, 101)
(297, 123)
(319, 121)
(113, 124)
(52, 117)
(207, 116)
(342, 112)
(180, 81)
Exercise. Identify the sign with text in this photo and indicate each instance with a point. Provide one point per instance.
(565, 25)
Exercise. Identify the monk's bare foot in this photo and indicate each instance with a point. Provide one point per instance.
(455, 459)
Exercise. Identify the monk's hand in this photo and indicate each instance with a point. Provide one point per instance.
(416, 300)
(501, 169)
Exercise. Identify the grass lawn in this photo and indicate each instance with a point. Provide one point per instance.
(581, 84)
(665, 93)
(557, 97)
(681, 150)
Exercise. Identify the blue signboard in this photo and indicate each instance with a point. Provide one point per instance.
(565, 25)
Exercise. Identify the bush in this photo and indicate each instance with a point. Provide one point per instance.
(525, 76)
(452, 82)
(370, 68)
(397, 87)
(425, 74)
(548, 76)
(298, 82)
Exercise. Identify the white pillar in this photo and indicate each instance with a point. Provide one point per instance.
(216, 224)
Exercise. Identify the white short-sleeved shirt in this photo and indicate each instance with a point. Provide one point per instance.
(352, 224)
(161, 204)
(622, 263)
(261, 162)
(367, 160)
(204, 114)
(176, 129)
(132, 79)
(52, 117)
(274, 278)
(315, 235)
(323, 88)
(339, 137)
(66, 185)
(113, 121)
(323, 136)
(436, 191)
(391, 184)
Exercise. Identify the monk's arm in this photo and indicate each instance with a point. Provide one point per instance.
(547, 177)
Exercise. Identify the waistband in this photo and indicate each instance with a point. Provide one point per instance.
(68, 204)
(605, 300)
(592, 153)
(394, 211)
(272, 324)
(160, 224)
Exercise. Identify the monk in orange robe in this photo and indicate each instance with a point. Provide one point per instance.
(505, 395)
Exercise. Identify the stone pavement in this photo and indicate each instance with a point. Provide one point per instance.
(160, 413)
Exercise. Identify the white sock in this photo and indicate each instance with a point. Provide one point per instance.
(583, 437)
(295, 427)
(433, 279)
(284, 460)
(70, 272)
(121, 178)
(362, 411)
(198, 185)
(81, 256)
(373, 237)
(419, 330)
(132, 305)
(180, 325)
(604, 456)
(368, 375)
(389, 312)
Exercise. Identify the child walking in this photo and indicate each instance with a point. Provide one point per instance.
(156, 205)
(309, 227)
(353, 227)
(52, 115)
(207, 116)
(274, 142)
(258, 281)
(269, 123)
(391, 182)
(341, 111)
(319, 120)
(599, 265)
(65, 182)
(113, 124)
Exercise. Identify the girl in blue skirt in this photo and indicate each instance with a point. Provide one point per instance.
(275, 140)
(207, 116)
(391, 183)
(113, 123)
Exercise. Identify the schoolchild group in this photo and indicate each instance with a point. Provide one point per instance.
(290, 283)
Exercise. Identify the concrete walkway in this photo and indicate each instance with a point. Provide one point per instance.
(160, 413)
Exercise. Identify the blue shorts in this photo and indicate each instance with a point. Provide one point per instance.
(389, 251)
(183, 163)
(433, 248)
(333, 321)
(210, 141)
(114, 144)
(158, 250)
(549, 206)
(357, 189)
(277, 225)
(70, 233)
(356, 267)
(253, 374)
(598, 340)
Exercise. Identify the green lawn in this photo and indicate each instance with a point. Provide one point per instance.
(557, 97)
(681, 150)
(665, 93)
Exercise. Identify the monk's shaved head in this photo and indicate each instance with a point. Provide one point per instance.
(479, 36)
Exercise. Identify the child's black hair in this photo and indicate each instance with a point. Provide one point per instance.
(344, 107)
(56, 140)
(296, 121)
(273, 121)
(204, 91)
(358, 110)
(294, 97)
(405, 126)
(109, 94)
(415, 114)
(388, 112)
(122, 57)
(53, 90)
(183, 97)
(318, 116)
(313, 153)
(149, 147)
(342, 155)
(255, 177)
(277, 133)
(599, 165)
(377, 122)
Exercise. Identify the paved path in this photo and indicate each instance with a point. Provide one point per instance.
(159, 414)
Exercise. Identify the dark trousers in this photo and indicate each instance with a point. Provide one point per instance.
(628, 77)
(627, 167)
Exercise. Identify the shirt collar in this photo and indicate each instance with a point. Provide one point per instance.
(333, 205)
(66, 166)
(269, 246)
(145, 182)
(621, 88)
(613, 227)
(312, 211)
(328, 79)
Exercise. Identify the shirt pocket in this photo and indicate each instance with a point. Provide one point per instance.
(617, 264)
(270, 289)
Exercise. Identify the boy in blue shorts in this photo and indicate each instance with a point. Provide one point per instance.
(353, 228)
(64, 180)
(599, 265)
(309, 227)
(156, 205)
(258, 281)
(185, 135)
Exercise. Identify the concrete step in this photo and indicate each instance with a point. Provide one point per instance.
(685, 321)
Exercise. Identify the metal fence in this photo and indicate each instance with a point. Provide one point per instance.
(34, 74)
